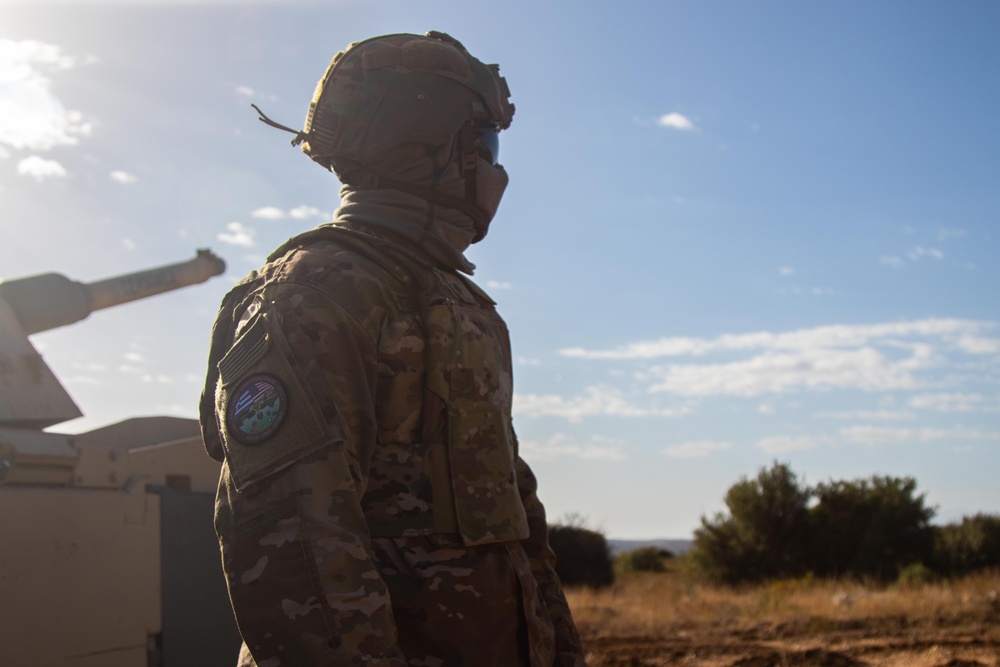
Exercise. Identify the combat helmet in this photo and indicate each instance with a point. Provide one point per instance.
(392, 89)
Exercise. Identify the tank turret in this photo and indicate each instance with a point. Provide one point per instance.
(106, 535)
(30, 394)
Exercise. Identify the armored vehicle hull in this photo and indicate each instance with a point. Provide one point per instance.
(108, 557)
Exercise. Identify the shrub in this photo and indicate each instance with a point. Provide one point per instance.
(971, 545)
(869, 527)
(643, 559)
(865, 528)
(915, 574)
(764, 534)
(582, 555)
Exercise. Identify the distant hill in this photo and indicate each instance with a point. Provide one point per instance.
(677, 547)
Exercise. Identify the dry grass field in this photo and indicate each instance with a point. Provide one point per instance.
(671, 619)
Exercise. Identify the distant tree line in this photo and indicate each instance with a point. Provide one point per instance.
(867, 528)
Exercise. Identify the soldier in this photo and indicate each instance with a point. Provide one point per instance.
(373, 508)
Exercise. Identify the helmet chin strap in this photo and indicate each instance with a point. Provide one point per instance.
(300, 136)
(360, 178)
(467, 144)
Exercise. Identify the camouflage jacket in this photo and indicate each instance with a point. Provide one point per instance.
(372, 508)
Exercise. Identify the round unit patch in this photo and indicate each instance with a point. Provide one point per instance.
(256, 408)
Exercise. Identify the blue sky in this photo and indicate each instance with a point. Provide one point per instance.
(734, 234)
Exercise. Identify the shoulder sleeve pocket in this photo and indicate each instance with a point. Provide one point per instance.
(266, 415)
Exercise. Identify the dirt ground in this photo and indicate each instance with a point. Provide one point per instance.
(971, 640)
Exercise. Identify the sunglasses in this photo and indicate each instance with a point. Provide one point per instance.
(488, 145)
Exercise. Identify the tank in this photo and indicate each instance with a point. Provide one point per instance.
(108, 557)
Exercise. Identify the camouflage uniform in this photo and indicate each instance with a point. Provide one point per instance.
(373, 509)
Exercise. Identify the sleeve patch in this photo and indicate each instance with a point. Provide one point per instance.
(259, 405)
(268, 417)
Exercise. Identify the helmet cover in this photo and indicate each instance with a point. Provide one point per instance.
(398, 88)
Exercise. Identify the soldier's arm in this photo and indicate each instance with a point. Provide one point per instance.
(569, 651)
(296, 547)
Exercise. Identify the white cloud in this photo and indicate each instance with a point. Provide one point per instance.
(783, 444)
(978, 345)
(238, 234)
(596, 401)
(786, 270)
(920, 252)
(242, 91)
(560, 445)
(871, 415)
(39, 168)
(872, 358)
(123, 177)
(957, 402)
(528, 361)
(881, 435)
(696, 449)
(951, 233)
(89, 366)
(815, 291)
(81, 379)
(268, 213)
(676, 121)
(498, 284)
(129, 244)
(816, 369)
(4, 153)
(31, 116)
(914, 254)
(302, 212)
(835, 335)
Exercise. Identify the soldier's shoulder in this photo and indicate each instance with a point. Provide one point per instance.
(359, 275)
(330, 261)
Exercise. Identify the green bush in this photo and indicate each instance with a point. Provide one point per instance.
(965, 547)
(582, 555)
(869, 527)
(763, 536)
(915, 574)
(643, 559)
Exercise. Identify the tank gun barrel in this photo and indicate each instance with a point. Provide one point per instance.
(50, 300)
(142, 284)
